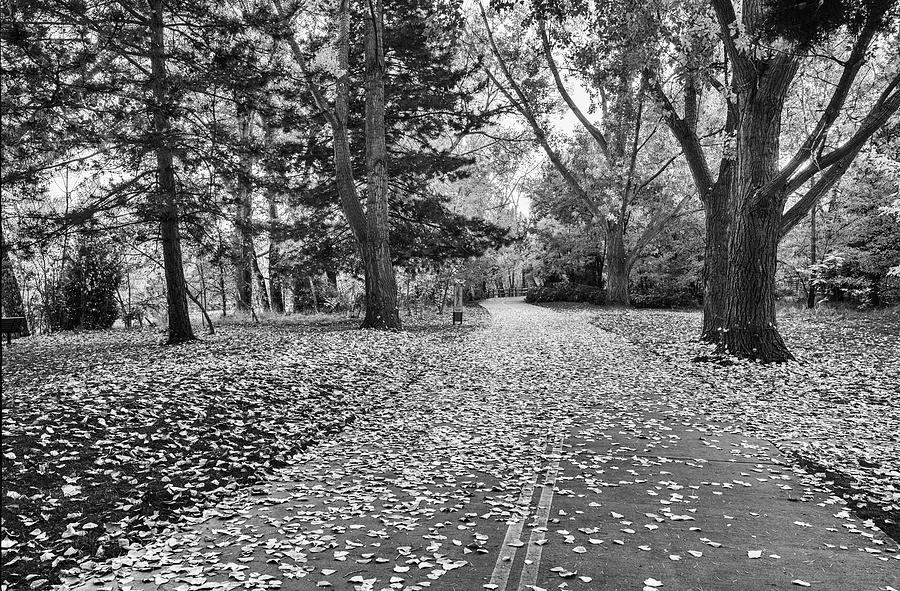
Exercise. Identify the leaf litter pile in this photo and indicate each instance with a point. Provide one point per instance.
(109, 437)
(435, 482)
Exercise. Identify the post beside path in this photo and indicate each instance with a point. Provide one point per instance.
(457, 303)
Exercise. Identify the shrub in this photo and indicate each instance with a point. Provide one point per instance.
(664, 299)
(85, 296)
(566, 292)
(842, 278)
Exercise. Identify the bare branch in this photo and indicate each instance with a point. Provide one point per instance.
(886, 105)
(832, 110)
(524, 108)
(653, 229)
(690, 143)
(585, 122)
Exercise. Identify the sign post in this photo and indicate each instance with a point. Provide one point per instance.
(457, 303)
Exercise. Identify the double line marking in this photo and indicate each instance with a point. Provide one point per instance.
(502, 568)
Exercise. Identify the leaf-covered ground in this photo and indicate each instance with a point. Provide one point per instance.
(585, 436)
(109, 437)
(538, 453)
(836, 409)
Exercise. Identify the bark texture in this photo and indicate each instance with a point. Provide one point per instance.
(370, 228)
(382, 310)
(276, 286)
(180, 329)
(617, 271)
(715, 264)
(243, 195)
(750, 330)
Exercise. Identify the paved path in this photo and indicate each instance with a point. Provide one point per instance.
(541, 453)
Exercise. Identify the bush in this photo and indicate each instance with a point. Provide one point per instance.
(85, 296)
(566, 292)
(666, 298)
(842, 278)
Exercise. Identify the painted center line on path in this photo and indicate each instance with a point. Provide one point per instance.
(507, 554)
(535, 541)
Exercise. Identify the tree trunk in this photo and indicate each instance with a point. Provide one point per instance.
(312, 291)
(715, 264)
(811, 291)
(296, 290)
(331, 276)
(750, 330)
(12, 294)
(754, 230)
(276, 286)
(408, 303)
(222, 293)
(180, 329)
(381, 284)
(243, 233)
(260, 282)
(203, 301)
(443, 301)
(617, 270)
(276, 289)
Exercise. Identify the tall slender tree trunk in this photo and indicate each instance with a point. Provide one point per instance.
(260, 282)
(296, 291)
(811, 292)
(382, 310)
(203, 301)
(180, 329)
(617, 270)
(222, 293)
(312, 292)
(276, 289)
(243, 233)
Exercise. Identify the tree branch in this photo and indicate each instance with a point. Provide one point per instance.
(823, 184)
(727, 18)
(585, 122)
(690, 143)
(653, 229)
(832, 110)
(887, 105)
(525, 109)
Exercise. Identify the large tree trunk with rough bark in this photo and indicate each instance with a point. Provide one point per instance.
(617, 269)
(180, 329)
(243, 233)
(382, 310)
(750, 329)
(715, 264)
